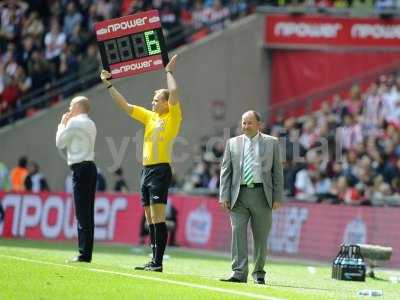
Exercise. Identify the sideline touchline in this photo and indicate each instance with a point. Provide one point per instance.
(191, 285)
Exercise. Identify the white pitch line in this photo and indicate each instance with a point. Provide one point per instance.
(191, 285)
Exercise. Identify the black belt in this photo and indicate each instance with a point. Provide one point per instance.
(252, 185)
(157, 165)
(81, 164)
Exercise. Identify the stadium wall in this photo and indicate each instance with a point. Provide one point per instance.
(220, 77)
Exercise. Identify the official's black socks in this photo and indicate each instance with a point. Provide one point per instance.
(152, 240)
(161, 241)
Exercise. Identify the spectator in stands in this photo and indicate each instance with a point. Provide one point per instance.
(28, 46)
(237, 8)
(213, 183)
(323, 185)
(350, 134)
(4, 178)
(69, 64)
(35, 181)
(381, 5)
(54, 41)
(106, 9)
(18, 175)
(79, 39)
(308, 136)
(120, 183)
(93, 17)
(10, 93)
(11, 15)
(24, 82)
(171, 22)
(72, 18)
(33, 26)
(217, 16)
(305, 185)
(39, 70)
(198, 15)
(90, 64)
(56, 9)
(372, 108)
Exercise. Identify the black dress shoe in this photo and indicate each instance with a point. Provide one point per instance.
(144, 267)
(153, 267)
(259, 281)
(77, 259)
(232, 279)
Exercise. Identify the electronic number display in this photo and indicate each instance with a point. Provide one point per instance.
(132, 44)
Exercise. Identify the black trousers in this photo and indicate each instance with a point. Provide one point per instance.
(1, 213)
(84, 176)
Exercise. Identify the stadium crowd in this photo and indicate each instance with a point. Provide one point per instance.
(360, 5)
(349, 150)
(346, 152)
(44, 42)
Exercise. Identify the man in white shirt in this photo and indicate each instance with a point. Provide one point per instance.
(77, 134)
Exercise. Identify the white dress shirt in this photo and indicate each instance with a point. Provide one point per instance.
(78, 137)
(257, 164)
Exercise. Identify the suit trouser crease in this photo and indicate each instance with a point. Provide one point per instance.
(250, 205)
(84, 189)
(240, 216)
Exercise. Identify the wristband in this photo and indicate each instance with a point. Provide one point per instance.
(109, 86)
(168, 72)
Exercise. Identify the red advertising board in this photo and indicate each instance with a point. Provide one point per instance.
(286, 31)
(303, 230)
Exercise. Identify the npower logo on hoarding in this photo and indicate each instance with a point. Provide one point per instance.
(375, 31)
(53, 217)
(307, 30)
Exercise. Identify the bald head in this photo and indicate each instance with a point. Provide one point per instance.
(79, 105)
(251, 123)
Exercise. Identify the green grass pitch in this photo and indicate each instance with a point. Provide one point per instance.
(37, 270)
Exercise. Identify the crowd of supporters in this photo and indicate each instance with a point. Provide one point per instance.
(43, 42)
(362, 5)
(349, 150)
(346, 152)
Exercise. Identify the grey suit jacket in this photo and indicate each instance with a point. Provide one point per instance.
(271, 169)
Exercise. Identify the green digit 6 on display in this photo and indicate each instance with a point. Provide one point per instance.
(153, 46)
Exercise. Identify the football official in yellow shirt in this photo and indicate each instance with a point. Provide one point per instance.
(161, 126)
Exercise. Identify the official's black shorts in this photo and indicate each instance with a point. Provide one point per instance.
(154, 183)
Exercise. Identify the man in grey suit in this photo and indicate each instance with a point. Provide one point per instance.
(251, 186)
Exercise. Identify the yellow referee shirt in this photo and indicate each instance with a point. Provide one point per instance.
(159, 133)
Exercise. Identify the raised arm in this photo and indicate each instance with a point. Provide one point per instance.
(171, 82)
(118, 98)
